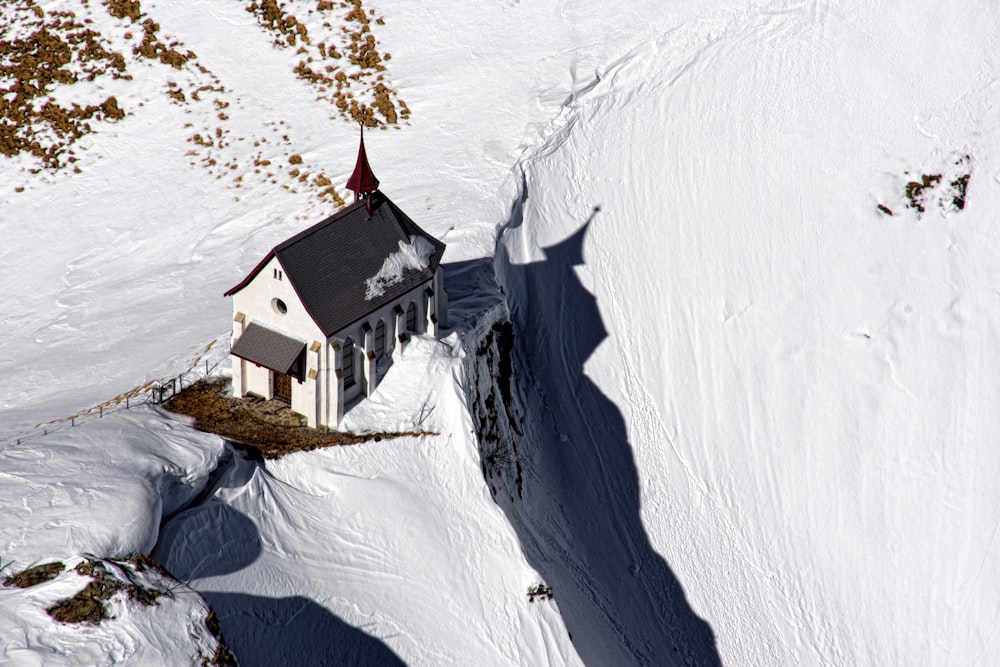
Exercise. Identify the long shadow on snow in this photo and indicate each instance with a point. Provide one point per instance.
(472, 291)
(579, 519)
(293, 631)
(209, 539)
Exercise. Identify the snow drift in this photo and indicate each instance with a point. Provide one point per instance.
(412, 256)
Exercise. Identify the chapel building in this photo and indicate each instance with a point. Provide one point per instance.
(316, 321)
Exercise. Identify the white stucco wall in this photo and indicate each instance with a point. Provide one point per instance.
(386, 313)
(257, 379)
(256, 301)
(442, 297)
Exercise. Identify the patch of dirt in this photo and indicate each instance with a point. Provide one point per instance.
(87, 606)
(152, 48)
(236, 419)
(223, 657)
(141, 562)
(43, 51)
(122, 9)
(33, 576)
(540, 592)
(959, 186)
(946, 190)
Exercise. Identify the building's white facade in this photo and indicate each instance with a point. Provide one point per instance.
(337, 368)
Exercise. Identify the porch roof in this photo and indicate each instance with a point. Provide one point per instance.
(270, 349)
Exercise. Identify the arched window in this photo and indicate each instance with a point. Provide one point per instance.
(348, 362)
(379, 342)
(411, 317)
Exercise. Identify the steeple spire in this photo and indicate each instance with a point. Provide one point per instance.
(362, 182)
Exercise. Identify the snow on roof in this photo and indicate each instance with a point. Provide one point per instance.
(415, 255)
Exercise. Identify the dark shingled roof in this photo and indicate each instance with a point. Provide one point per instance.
(270, 349)
(329, 263)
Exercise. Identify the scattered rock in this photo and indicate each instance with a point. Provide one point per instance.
(87, 606)
(540, 591)
(915, 190)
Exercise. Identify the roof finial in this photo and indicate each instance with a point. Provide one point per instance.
(362, 182)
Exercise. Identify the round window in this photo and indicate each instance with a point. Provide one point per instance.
(279, 306)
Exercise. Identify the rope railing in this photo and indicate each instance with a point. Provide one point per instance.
(153, 392)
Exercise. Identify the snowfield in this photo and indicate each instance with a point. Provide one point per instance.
(743, 409)
(101, 488)
(804, 385)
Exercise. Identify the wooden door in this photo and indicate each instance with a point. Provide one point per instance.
(283, 388)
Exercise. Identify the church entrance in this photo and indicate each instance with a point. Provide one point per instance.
(282, 389)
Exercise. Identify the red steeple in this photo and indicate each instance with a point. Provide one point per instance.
(362, 181)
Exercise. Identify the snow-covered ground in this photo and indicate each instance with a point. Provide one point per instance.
(101, 489)
(795, 393)
(754, 412)
(376, 554)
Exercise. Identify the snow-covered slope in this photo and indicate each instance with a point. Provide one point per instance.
(102, 488)
(735, 353)
(752, 412)
(383, 553)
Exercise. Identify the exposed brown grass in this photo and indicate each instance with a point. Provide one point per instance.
(151, 47)
(915, 190)
(42, 52)
(59, 51)
(34, 575)
(325, 61)
(122, 9)
(222, 657)
(232, 419)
